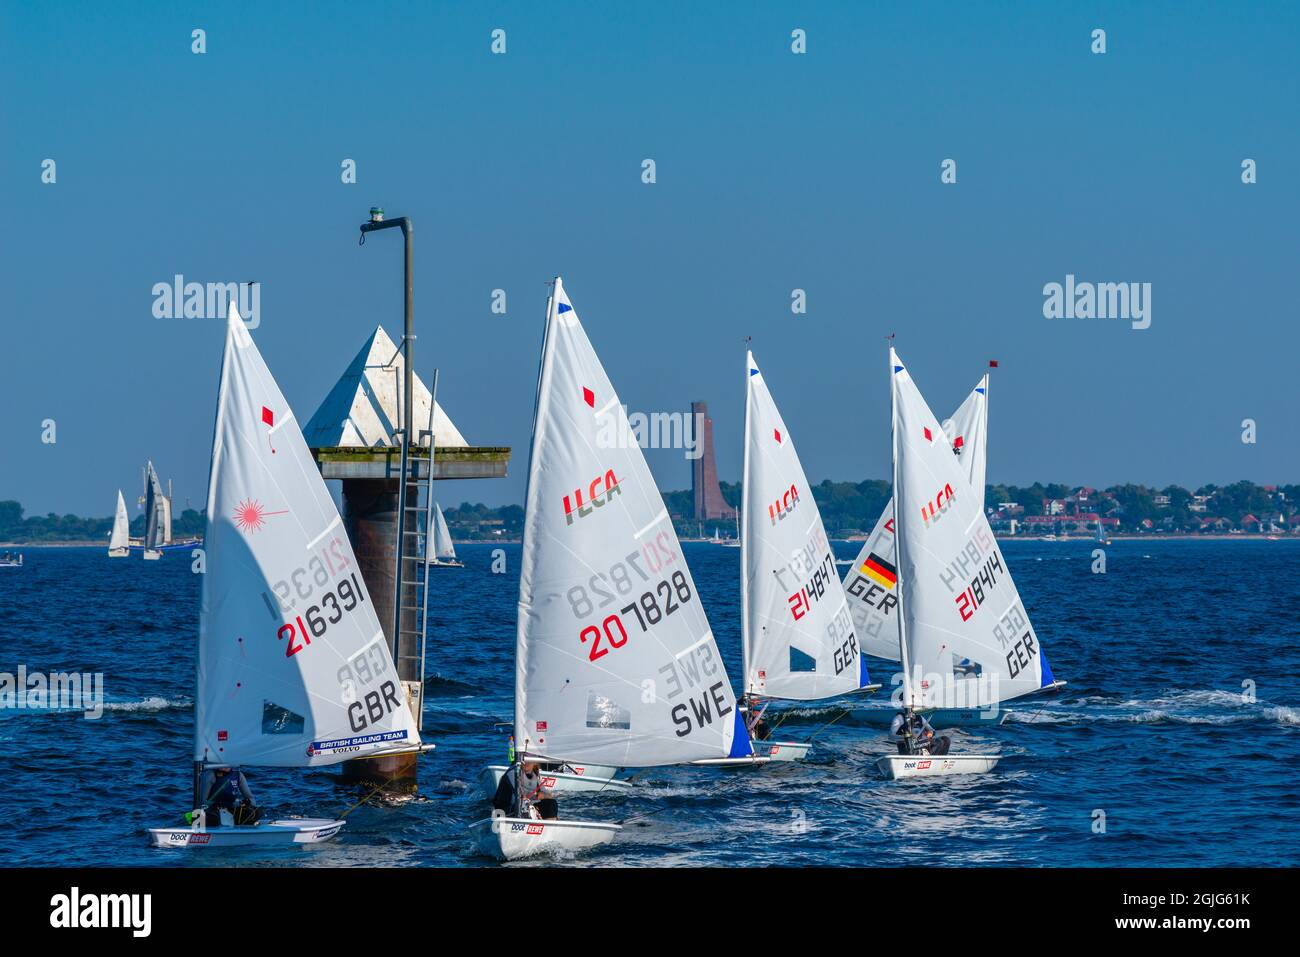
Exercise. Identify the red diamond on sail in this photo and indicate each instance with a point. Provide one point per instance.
(589, 397)
(958, 442)
(777, 433)
(268, 416)
(928, 436)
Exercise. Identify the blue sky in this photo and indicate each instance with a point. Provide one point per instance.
(775, 172)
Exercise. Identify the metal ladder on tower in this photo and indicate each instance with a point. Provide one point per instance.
(415, 543)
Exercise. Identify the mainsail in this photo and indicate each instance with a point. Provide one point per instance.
(615, 661)
(156, 530)
(442, 546)
(293, 667)
(871, 580)
(966, 638)
(797, 631)
(121, 537)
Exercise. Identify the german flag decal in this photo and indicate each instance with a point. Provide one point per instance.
(881, 571)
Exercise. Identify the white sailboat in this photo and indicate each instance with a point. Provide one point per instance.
(1102, 537)
(293, 667)
(444, 552)
(965, 639)
(615, 663)
(797, 632)
(733, 542)
(119, 543)
(871, 580)
(157, 528)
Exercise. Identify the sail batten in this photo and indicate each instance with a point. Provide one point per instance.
(615, 660)
(293, 668)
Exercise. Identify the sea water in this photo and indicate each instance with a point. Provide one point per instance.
(1175, 743)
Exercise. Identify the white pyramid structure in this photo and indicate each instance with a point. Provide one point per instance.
(364, 408)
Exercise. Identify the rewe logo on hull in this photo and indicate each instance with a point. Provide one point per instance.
(933, 511)
(597, 496)
(784, 505)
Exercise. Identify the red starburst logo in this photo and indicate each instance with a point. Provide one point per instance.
(250, 516)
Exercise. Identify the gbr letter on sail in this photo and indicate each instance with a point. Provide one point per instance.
(970, 640)
(293, 667)
(615, 660)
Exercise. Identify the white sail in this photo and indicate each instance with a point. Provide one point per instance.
(966, 634)
(156, 531)
(442, 546)
(967, 433)
(797, 630)
(120, 540)
(615, 661)
(293, 667)
(870, 582)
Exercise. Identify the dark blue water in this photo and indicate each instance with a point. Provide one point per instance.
(1154, 731)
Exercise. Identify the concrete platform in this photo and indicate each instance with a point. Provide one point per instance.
(460, 462)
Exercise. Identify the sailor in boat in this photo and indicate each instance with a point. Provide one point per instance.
(758, 729)
(916, 735)
(228, 799)
(522, 794)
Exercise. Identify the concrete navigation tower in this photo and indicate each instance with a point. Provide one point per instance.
(382, 432)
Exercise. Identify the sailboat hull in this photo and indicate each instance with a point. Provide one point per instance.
(289, 831)
(782, 750)
(583, 778)
(513, 838)
(151, 556)
(118, 552)
(895, 766)
(443, 563)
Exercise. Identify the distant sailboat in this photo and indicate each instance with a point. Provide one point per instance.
(157, 516)
(606, 604)
(1102, 537)
(797, 632)
(733, 542)
(444, 552)
(964, 639)
(285, 679)
(119, 544)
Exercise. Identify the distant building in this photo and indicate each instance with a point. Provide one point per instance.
(708, 503)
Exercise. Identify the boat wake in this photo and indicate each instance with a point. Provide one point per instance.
(1201, 707)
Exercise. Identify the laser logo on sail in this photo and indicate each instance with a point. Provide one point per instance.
(599, 492)
(250, 515)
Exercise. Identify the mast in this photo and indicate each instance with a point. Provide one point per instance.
(744, 542)
(903, 657)
(543, 375)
